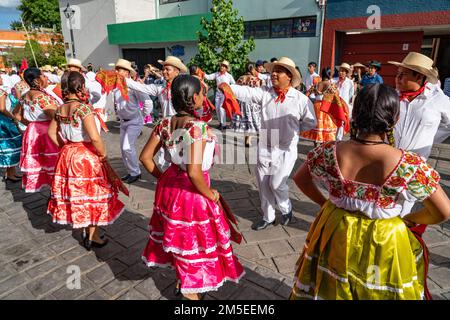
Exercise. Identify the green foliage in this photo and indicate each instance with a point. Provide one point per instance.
(224, 40)
(42, 13)
(16, 25)
(56, 54)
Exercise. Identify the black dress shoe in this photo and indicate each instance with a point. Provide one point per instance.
(286, 218)
(125, 178)
(132, 179)
(260, 225)
(89, 244)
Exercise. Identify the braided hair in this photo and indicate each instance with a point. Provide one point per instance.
(375, 111)
(183, 89)
(72, 82)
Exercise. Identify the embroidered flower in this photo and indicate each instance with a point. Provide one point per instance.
(412, 159)
(371, 194)
(435, 175)
(385, 202)
(397, 181)
(195, 133)
(349, 189)
(421, 177)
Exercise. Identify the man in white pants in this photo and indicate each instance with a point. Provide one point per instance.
(172, 67)
(131, 122)
(221, 77)
(424, 108)
(285, 112)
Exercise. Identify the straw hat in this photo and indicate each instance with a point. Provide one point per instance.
(359, 65)
(47, 68)
(124, 64)
(75, 63)
(419, 63)
(345, 66)
(289, 65)
(151, 67)
(225, 63)
(174, 62)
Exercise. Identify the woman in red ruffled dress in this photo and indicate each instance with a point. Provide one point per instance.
(39, 153)
(82, 194)
(188, 229)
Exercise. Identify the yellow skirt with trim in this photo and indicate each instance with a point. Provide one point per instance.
(349, 256)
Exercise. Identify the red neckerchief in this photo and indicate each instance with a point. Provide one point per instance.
(340, 83)
(412, 94)
(281, 94)
(167, 90)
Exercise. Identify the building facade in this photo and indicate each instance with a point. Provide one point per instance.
(383, 30)
(280, 28)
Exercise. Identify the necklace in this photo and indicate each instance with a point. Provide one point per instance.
(70, 100)
(368, 142)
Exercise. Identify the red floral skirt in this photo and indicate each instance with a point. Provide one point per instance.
(191, 234)
(38, 157)
(81, 193)
(325, 129)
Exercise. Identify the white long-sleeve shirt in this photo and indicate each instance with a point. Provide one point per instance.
(164, 96)
(283, 119)
(423, 121)
(220, 78)
(346, 89)
(129, 110)
(266, 77)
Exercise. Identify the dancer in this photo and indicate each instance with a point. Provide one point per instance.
(285, 112)
(222, 76)
(358, 247)
(188, 228)
(82, 194)
(39, 152)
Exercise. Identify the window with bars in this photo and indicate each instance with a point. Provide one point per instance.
(281, 28)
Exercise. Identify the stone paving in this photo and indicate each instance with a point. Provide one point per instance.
(35, 254)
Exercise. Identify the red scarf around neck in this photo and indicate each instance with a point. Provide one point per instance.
(167, 89)
(281, 93)
(411, 95)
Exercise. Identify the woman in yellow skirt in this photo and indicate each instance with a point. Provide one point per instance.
(359, 247)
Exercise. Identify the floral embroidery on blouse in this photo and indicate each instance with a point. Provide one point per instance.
(42, 101)
(412, 175)
(195, 130)
(77, 117)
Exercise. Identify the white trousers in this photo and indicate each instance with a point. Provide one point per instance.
(129, 132)
(221, 113)
(272, 176)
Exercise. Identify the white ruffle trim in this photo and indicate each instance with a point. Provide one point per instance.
(87, 224)
(44, 186)
(213, 288)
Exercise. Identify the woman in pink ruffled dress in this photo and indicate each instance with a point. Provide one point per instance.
(188, 230)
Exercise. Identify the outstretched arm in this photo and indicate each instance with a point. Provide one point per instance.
(150, 89)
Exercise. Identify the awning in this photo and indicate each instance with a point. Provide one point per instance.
(176, 29)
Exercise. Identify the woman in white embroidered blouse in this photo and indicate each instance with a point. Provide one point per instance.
(358, 247)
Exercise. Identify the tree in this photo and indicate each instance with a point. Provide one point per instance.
(224, 40)
(16, 25)
(41, 13)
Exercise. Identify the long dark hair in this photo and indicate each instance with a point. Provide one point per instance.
(183, 89)
(326, 73)
(375, 111)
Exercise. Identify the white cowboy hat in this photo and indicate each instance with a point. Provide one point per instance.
(75, 63)
(345, 66)
(124, 64)
(420, 63)
(289, 65)
(47, 68)
(174, 62)
(225, 63)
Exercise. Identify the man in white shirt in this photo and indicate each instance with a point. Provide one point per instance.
(345, 84)
(172, 67)
(285, 112)
(131, 123)
(263, 74)
(310, 78)
(95, 92)
(424, 108)
(221, 77)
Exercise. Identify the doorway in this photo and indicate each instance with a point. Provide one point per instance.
(144, 56)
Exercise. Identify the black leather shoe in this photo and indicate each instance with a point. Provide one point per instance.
(133, 179)
(125, 178)
(286, 218)
(260, 225)
(88, 244)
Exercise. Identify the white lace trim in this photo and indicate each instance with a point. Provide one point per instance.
(10, 165)
(42, 154)
(212, 288)
(11, 150)
(154, 264)
(107, 196)
(35, 190)
(86, 224)
(76, 178)
(305, 295)
(187, 223)
(37, 170)
(227, 255)
(5, 139)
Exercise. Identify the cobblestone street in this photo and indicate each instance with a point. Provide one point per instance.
(35, 253)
